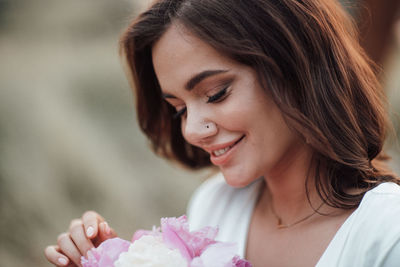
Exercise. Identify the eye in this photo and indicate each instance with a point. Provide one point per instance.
(179, 113)
(218, 96)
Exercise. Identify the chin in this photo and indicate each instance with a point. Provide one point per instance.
(238, 180)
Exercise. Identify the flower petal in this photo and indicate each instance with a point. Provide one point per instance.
(195, 241)
(219, 255)
(105, 254)
(139, 233)
(173, 241)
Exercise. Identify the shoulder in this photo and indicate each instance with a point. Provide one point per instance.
(371, 235)
(376, 225)
(379, 210)
(215, 200)
(385, 198)
(387, 188)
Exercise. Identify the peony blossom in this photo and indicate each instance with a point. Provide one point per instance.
(106, 254)
(176, 233)
(151, 251)
(219, 254)
(171, 245)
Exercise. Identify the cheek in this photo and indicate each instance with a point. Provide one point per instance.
(269, 132)
(235, 116)
(279, 145)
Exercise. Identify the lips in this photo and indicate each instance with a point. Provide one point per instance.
(222, 151)
(221, 154)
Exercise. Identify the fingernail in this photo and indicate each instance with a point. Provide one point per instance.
(89, 231)
(107, 228)
(62, 261)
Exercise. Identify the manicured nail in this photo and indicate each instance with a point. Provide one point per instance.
(89, 231)
(62, 261)
(107, 228)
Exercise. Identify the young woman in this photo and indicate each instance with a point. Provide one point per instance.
(279, 96)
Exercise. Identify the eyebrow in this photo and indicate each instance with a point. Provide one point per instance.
(196, 79)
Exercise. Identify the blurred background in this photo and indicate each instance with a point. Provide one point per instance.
(69, 141)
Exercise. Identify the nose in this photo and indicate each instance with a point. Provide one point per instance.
(197, 128)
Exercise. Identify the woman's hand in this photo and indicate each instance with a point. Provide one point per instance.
(83, 234)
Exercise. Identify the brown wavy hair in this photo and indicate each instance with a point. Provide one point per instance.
(306, 56)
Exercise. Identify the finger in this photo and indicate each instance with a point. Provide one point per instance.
(91, 220)
(54, 256)
(106, 232)
(68, 247)
(78, 236)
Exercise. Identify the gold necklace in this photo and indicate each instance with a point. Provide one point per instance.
(281, 225)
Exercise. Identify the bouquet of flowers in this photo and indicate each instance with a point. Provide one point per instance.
(172, 245)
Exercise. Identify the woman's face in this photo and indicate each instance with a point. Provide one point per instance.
(223, 108)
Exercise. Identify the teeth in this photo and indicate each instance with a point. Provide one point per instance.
(220, 152)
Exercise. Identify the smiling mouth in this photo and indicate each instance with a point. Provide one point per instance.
(220, 152)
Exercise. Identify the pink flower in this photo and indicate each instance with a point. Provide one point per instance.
(220, 254)
(199, 247)
(173, 243)
(139, 233)
(189, 243)
(238, 262)
(106, 254)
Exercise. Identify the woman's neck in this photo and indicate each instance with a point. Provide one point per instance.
(285, 190)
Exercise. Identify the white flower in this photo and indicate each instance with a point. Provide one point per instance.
(150, 251)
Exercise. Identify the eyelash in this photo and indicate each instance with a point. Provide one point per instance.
(179, 113)
(218, 97)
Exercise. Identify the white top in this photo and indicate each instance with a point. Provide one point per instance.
(370, 236)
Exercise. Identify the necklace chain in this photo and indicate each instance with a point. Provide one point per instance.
(281, 225)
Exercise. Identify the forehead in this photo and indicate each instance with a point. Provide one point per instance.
(178, 55)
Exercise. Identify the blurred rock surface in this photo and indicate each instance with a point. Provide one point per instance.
(68, 135)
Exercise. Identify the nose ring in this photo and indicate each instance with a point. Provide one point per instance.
(209, 125)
